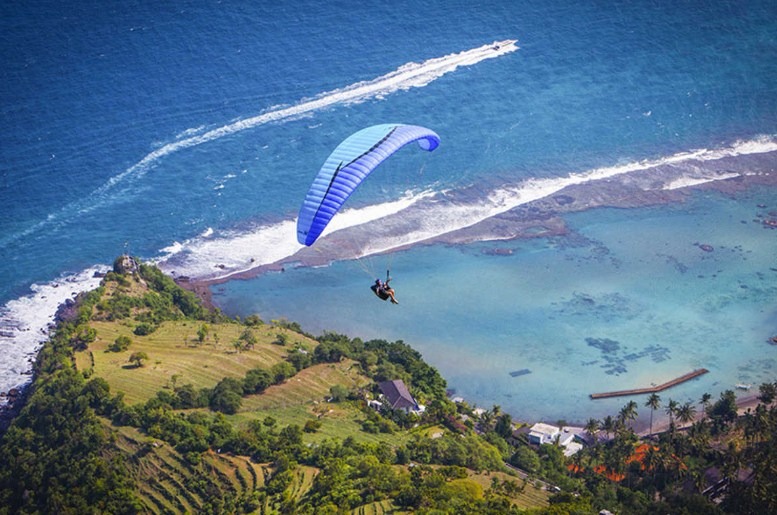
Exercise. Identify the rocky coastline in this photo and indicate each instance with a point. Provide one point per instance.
(12, 402)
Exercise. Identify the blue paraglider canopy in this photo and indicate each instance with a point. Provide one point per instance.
(348, 165)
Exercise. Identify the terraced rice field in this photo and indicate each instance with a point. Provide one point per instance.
(168, 483)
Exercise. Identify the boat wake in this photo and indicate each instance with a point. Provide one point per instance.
(407, 76)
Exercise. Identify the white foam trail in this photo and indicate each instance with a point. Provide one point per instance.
(687, 182)
(229, 254)
(190, 132)
(422, 216)
(446, 219)
(407, 76)
(24, 323)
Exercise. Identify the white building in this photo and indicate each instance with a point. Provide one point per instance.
(542, 433)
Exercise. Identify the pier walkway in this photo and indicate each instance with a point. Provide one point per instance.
(652, 389)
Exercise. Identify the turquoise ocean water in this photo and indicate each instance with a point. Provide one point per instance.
(188, 134)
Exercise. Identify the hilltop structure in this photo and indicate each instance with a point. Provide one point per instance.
(397, 396)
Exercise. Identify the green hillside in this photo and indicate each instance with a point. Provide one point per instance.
(174, 352)
(146, 402)
(164, 407)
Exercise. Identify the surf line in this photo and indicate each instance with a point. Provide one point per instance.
(419, 224)
(506, 198)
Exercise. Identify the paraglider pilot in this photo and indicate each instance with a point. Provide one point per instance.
(383, 290)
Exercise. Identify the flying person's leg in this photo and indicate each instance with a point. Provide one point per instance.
(391, 294)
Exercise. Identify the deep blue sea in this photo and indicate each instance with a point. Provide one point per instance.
(188, 133)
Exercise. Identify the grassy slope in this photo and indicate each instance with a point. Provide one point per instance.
(377, 508)
(174, 350)
(531, 496)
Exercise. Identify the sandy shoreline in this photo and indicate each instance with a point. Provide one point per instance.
(744, 403)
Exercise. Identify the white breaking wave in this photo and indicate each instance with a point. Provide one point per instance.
(445, 219)
(407, 76)
(228, 254)
(24, 323)
(423, 216)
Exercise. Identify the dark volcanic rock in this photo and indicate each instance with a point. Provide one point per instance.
(15, 400)
(68, 310)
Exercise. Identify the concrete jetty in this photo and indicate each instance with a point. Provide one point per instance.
(652, 389)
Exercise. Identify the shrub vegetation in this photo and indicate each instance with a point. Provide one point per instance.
(79, 447)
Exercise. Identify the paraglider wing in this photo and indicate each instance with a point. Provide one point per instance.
(348, 165)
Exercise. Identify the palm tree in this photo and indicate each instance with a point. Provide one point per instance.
(686, 413)
(756, 424)
(608, 425)
(767, 392)
(747, 423)
(653, 402)
(732, 461)
(671, 410)
(489, 418)
(653, 460)
(628, 412)
(591, 427)
(705, 403)
(763, 423)
(699, 434)
(486, 421)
